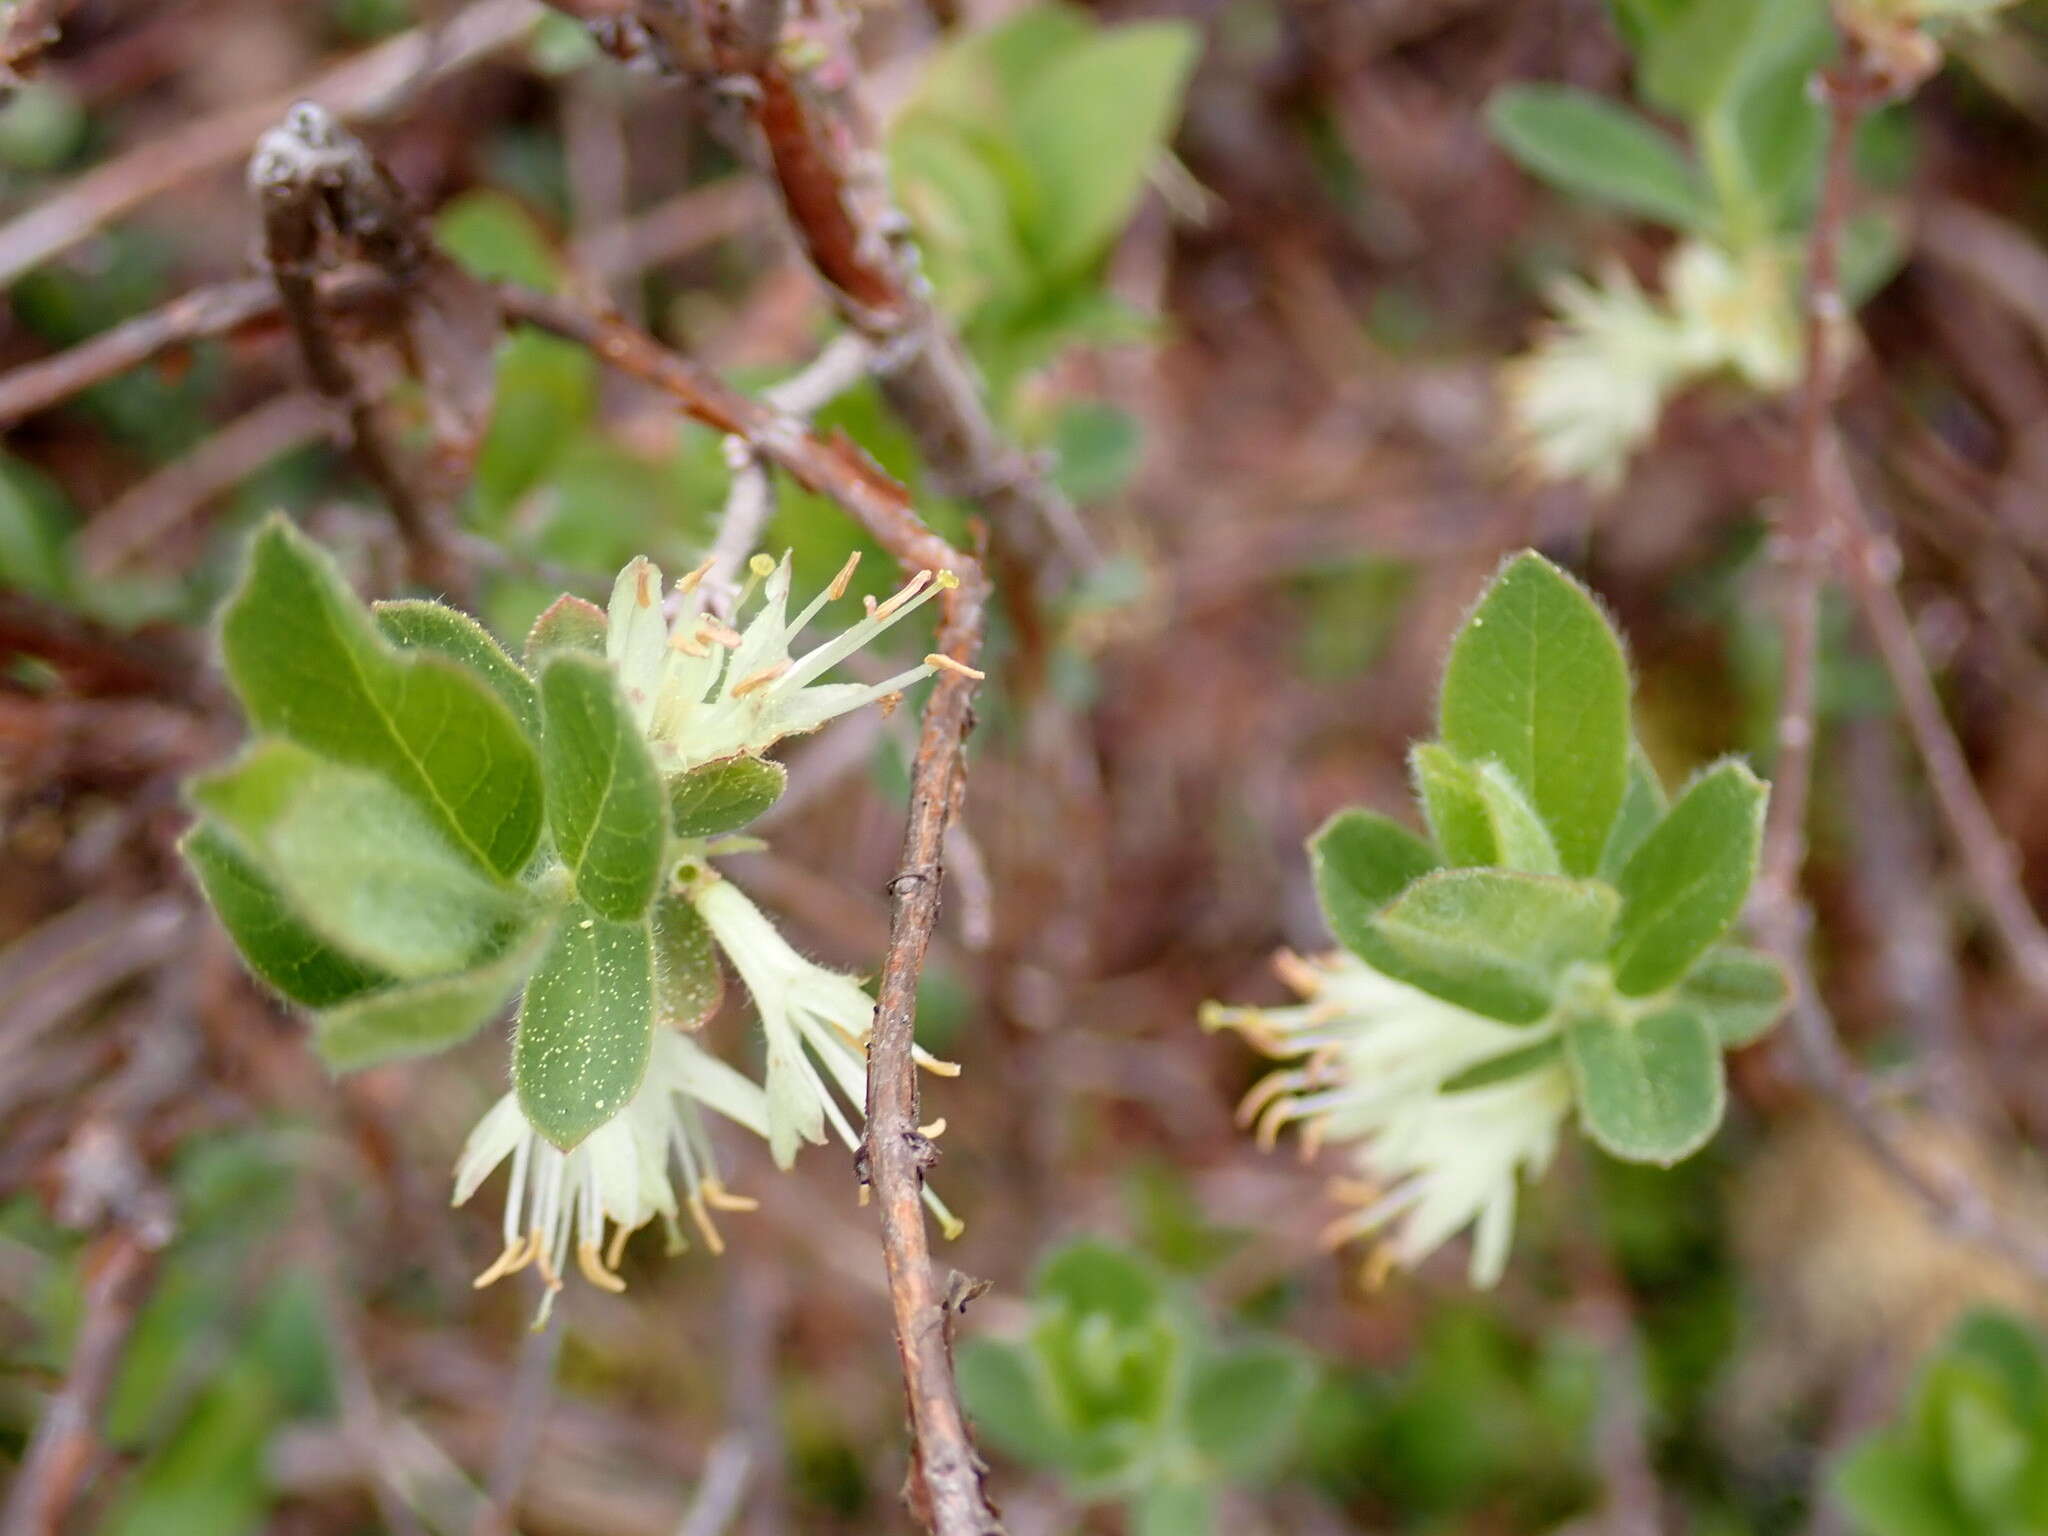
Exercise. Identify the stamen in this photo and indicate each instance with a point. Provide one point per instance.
(689, 644)
(617, 1251)
(1296, 972)
(594, 1270)
(946, 663)
(933, 1131)
(709, 628)
(889, 701)
(866, 1194)
(643, 588)
(687, 584)
(1379, 1264)
(1354, 1191)
(543, 1262)
(911, 588)
(845, 578)
(517, 1255)
(933, 1064)
(758, 567)
(719, 1198)
(1312, 1137)
(754, 682)
(702, 1218)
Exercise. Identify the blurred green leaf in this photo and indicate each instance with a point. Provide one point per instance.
(1738, 992)
(421, 1017)
(1687, 881)
(1650, 1091)
(1448, 788)
(546, 394)
(1598, 149)
(495, 238)
(1242, 1405)
(1490, 940)
(724, 796)
(415, 624)
(1643, 805)
(1361, 861)
(1536, 681)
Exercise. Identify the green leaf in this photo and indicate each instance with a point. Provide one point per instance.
(1174, 1509)
(36, 527)
(1448, 788)
(605, 803)
(1536, 681)
(1686, 883)
(586, 1026)
(962, 205)
(1091, 125)
(1738, 992)
(274, 942)
(1242, 1406)
(723, 796)
(309, 665)
(1519, 836)
(1003, 1393)
(1651, 1091)
(567, 624)
(359, 863)
(1706, 59)
(1091, 1277)
(1588, 145)
(545, 396)
(689, 983)
(1494, 941)
(414, 624)
(421, 1017)
(1889, 1491)
(1642, 806)
(493, 237)
(1361, 861)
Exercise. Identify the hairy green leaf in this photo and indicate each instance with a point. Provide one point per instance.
(1596, 148)
(1361, 861)
(309, 665)
(586, 1026)
(1642, 806)
(1686, 883)
(689, 982)
(1650, 1091)
(723, 796)
(1739, 992)
(274, 941)
(414, 624)
(1520, 838)
(604, 794)
(418, 1018)
(1448, 788)
(567, 624)
(360, 863)
(1494, 941)
(1536, 681)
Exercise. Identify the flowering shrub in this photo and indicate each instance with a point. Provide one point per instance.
(1554, 946)
(425, 828)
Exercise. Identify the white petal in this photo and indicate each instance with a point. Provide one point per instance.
(489, 1144)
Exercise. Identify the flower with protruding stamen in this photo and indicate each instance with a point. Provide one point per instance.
(1377, 1063)
(812, 1018)
(616, 1180)
(702, 689)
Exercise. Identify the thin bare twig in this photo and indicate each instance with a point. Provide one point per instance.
(313, 179)
(526, 1411)
(371, 84)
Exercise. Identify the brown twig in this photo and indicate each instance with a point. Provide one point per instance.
(313, 180)
(31, 28)
(372, 83)
(91, 657)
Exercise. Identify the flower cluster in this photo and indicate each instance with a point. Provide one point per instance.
(703, 691)
(1591, 391)
(1443, 1109)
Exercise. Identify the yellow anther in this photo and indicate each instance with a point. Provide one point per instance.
(517, 1255)
(1379, 1264)
(911, 588)
(594, 1270)
(711, 629)
(933, 1131)
(689, 644)
(754, 682)
(1297, 973)
(933, 1064)
(1312, 1135)
(643, 583)
(1354, 1191)
(687, 582)
(617, 1251)
(543, 1263)
(702, 1218)
(946, 663)
(950, 1225)
(845, 577)
(866, 1195)
(719, 1198)
(762, 564)
(946, 580)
